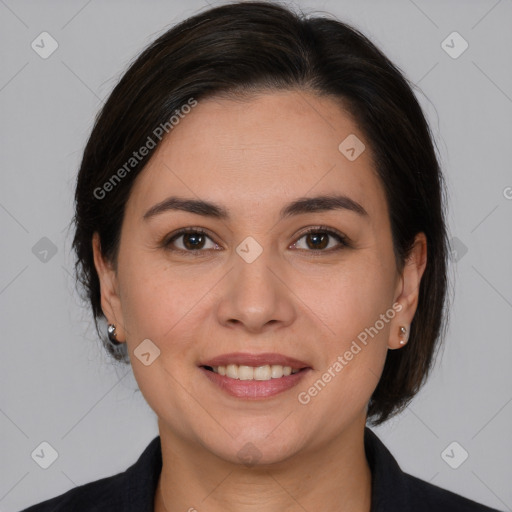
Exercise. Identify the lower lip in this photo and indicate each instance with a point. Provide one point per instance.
(255, 389)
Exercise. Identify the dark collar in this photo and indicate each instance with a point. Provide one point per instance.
(392, 489)
(134, 489)
(389, 489)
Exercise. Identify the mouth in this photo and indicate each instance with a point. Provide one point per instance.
(254, 376)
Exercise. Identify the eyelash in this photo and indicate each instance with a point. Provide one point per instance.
(342, 239)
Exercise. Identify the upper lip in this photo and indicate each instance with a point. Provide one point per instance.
(247, 359)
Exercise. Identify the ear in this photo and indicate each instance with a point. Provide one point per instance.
(109, 289)
(408, 291)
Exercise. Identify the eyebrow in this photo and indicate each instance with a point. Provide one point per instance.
(297, 207)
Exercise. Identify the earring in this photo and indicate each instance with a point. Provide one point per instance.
(111, 332)
(403, 332)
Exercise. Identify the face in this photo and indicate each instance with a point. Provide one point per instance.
(254, 281)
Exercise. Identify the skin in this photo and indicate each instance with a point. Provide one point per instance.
(252, 157)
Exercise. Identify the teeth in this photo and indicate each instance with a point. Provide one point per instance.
(267, 372)
(231, 371)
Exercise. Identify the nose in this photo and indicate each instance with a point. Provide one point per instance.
(256, 296)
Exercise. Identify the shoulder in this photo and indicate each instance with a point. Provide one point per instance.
(131, 490)
(394, 490)
(99, 495)
(426, 496)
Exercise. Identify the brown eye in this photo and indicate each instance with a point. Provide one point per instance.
(318, 239)
(192, 240)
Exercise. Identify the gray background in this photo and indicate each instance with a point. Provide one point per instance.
(57, 384)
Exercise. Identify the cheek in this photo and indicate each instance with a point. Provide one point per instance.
(357, 308)
(154, 298)
(354, 352)
(352, 297)
(160, 304)
(168, 304)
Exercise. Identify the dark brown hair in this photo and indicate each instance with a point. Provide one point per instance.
(246, 47)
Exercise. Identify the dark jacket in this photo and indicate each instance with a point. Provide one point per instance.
(134, 489)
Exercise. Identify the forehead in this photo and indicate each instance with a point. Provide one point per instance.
(273, 147)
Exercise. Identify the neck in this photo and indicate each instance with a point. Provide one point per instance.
(333, 477)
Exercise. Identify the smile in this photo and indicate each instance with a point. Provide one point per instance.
(254, 383)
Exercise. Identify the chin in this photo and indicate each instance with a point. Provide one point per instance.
(257, 450)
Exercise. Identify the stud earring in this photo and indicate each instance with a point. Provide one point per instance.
(403, 332)
(111, 332)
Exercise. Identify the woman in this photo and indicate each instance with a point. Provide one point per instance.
(260, 220)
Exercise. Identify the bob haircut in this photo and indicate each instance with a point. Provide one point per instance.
(245, 48)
